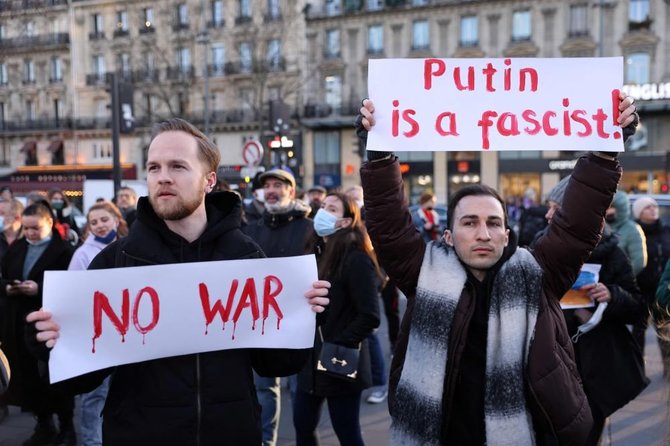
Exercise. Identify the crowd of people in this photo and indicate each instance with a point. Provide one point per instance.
(485, 353)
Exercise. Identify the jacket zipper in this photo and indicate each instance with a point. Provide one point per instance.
(198, 400)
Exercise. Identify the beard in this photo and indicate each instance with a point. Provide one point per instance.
(178, 210)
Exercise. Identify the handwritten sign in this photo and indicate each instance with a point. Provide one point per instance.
(496, 104)
(124, 315)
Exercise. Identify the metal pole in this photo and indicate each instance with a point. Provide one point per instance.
(114, 89)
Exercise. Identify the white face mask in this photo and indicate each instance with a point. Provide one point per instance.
(591, 323)
(259, 194)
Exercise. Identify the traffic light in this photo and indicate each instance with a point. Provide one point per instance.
(280, 117)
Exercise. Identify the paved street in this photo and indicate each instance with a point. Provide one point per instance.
(643, 422)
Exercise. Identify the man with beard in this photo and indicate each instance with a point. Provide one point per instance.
(281, 232)
(206, 398)
(126, 200)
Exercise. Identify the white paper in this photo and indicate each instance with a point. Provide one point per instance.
(422, 90)
(169, 316)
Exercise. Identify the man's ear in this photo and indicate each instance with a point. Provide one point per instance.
(448, 237)
(210, 179)
(507, 237)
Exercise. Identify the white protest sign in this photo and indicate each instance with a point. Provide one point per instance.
(119, 316)
(495, 104)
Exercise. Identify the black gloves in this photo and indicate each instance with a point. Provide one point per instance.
(362, 134)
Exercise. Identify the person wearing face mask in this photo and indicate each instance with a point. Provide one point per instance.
(23, 269)
(601, 339)
(104, 224)
(344, 256)
(254, 211)
(282, 231)
(66, 216)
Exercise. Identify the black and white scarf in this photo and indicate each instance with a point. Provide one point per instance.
(513, 312)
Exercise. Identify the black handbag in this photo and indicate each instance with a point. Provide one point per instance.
(337, 360)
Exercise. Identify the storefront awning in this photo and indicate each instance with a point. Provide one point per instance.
(55, 146)
(29, 146)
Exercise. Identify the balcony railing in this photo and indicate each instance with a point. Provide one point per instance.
(270, 18)
(37, 124)
(147, 29)
(96, 35)
(181, 73)
(18, 5)
(96, 78)
(180, 27)
(42, 40)
(120, 33)
(216, 23)
(242, 20)
(146, 75)
(216, 70)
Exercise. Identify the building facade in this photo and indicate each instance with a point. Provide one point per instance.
(291, 74)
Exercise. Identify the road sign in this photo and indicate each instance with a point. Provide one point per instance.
(252, 153)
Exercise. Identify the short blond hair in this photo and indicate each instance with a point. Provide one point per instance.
(208, 152)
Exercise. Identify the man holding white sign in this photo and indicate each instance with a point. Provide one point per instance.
(206, 398)
(482, 312)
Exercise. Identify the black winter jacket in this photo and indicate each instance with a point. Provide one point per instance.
(602, 349)
(282, 235)
(658, 253)
(201, 399)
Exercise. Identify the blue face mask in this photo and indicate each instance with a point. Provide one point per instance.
(324, 223)
(109, 238)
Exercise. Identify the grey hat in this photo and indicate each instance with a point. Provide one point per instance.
(556, 194)
(280, 174)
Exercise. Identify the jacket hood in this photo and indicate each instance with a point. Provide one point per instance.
(224, 213)
(620, 203)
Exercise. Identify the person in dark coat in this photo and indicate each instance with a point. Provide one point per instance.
(282, 231)
(483, 356)
(645, 212)
(206, 398)
(23, 269)
(254, 210)
(346, 259)
(601, 339)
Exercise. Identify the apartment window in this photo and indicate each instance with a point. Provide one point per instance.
(375, 39)
(521, 25)
(56, 69)
(332, 43)
(326, 154)
(274, 93)
(182, 15)
(2, 115)
(3, 31)
(246, 60)
(98, 30)
(217, 13)
(274, 10)
(420, 38)
(274, 54)
(218, 59)
(375, 5)
(99, 66)
(121, 23)
(333, 90)
(30, 110)
(149, 61)
(148, 15)
(247, 99)
(184, 59)
(245, 8)
(638, 67)
(638, 11)
(469, 34)
(4, 79)
(333, 7)
(29, 29)
(579, 20)
(28, 71)
(123, 64)
(419, 2)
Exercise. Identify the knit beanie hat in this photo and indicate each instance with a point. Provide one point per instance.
(556, 194)
(640, 204)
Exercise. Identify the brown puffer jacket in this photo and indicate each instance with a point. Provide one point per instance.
(560, 410)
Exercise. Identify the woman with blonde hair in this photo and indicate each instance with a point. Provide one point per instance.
(104, 224)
